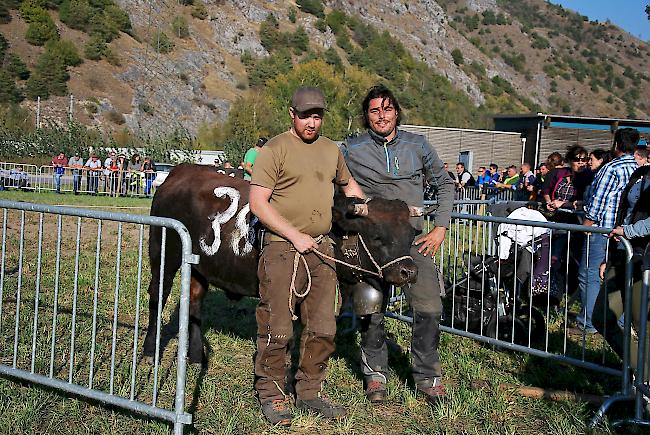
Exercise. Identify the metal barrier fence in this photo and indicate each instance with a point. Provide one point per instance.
(17, 175)
(509, 283)
(86, 181)
(71, 302)
(473, 193)
(641, 392)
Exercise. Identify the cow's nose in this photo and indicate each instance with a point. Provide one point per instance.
(408, 274)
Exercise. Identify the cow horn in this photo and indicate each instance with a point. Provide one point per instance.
(361, 209)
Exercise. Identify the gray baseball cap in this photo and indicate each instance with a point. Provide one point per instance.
(308, 98)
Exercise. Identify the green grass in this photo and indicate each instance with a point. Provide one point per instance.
(221, 397)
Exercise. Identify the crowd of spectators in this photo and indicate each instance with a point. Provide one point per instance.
(580, 187)
(115, 175)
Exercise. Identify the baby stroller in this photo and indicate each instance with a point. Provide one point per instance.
(506, 295)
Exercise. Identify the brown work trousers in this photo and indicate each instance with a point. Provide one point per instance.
(317, 311)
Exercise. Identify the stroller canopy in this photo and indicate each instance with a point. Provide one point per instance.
(522, 235)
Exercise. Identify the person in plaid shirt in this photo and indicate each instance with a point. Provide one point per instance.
(600, 211)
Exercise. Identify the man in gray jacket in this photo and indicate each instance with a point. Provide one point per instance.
(395, 164)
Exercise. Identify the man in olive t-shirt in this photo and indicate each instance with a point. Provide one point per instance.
(292, 190)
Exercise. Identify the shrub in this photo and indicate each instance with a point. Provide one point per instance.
(32, 10)
(118, 18)
(115, 117)
(112, 57)
(471, 22)
(199, 11)
(516, 61)
(313, 7)
(95, 48)
(321, 25)
(41, 28)
(66, 51)
(457, 55)
(270, 37)
(5, 15)
(332, 58)
(539, 42)
(180, 27)
(76, 14)
(476, 68)
(292, 14)
(4, 45)
(489, 17)
(16, 68)
(161, 42)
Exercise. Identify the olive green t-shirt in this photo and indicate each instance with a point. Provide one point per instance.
(302, 177)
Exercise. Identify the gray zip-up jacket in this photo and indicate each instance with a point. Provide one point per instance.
(398, 169)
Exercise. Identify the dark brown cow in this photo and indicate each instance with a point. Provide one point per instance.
(214, 208)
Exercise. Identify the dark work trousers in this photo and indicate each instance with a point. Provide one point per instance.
(318, 311)
(424, 298)
(610, 304)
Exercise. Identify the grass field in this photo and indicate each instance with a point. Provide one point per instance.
(221, 397)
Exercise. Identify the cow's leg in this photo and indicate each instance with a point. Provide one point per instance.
(150, 339)
(172, 264)
(198, 289)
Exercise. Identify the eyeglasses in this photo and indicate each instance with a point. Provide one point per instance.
(581, 159)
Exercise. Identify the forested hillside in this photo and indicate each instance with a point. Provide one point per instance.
(222, 70)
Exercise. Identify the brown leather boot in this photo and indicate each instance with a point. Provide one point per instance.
(277, 412)
(432, 389)
(376, 391)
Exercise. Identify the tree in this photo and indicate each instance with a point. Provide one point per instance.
(300, 40)
(247, 120)
(9, 93)
(54, 73)
(35, 87)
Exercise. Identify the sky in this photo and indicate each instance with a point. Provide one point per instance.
(628, 14)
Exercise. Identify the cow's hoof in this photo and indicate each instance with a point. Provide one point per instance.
(199, 361)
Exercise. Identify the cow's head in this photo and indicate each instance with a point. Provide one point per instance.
(386, 230)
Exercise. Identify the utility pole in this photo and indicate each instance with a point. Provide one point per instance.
(38, 112)
(70, 109)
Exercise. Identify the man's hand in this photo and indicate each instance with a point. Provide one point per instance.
(303, 243)
(431, 242)
(618, 231)
(601, 271)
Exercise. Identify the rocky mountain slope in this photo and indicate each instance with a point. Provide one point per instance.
(506, 55)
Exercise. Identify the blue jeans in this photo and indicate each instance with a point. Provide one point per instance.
(588, 275)
(57, 181)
